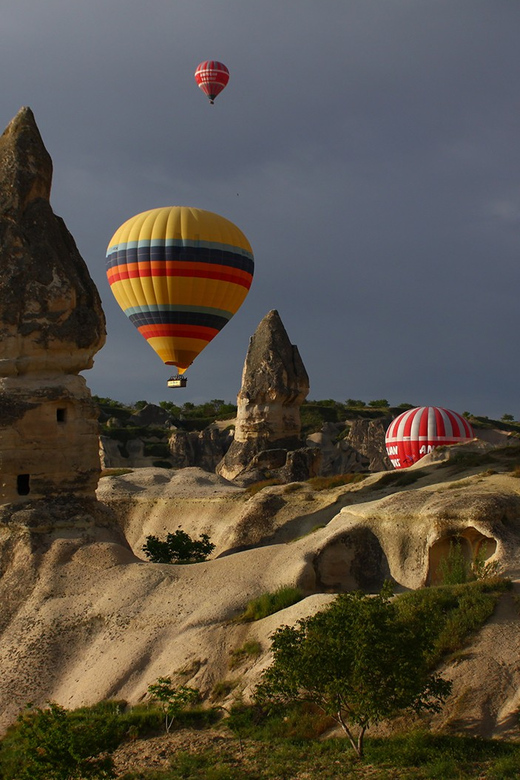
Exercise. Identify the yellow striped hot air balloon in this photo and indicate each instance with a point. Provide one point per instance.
(179, 274)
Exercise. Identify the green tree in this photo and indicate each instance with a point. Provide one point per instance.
(380, 403)
(359, 660)
(507, 418)
(51, 744)
(178, 547)
(173, 700)
(170, 407)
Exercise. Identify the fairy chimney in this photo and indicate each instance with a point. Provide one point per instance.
(274, 386)
(51, 326)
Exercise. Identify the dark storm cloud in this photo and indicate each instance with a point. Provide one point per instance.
(367, 148)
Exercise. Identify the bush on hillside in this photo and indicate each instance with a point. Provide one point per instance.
(178, 547)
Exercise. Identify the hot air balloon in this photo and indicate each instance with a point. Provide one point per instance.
(212, 77)
(417, 432)
(179, 274)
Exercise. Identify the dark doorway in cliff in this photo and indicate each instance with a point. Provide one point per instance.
(353, 561)
(61, 415)
(23, 485)
(472, 546)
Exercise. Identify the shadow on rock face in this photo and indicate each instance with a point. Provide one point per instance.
(353, 561)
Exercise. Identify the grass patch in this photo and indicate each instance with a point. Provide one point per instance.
(326, 483)
(293, 487)
(440, 756)
(115, 472)
(400, 478)
(285, 745)
(249, 650)
(269, 603)
(300, 721)
(256, 487)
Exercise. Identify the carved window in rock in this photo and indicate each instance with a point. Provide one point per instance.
(61, 415)
(23, 484)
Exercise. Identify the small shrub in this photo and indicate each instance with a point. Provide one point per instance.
(55, 744)
(455, 568)
(314, 415)
(269, 603)
(251, 649)
(223, 689)
(178, 547)
(172, 700)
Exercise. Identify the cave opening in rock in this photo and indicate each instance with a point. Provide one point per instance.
(352, 561)
(473, 546)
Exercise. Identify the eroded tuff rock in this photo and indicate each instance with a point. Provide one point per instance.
(51, 326)
(367, 437)
(274, 386)
(51, 315)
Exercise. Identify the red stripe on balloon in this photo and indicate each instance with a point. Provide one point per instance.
(183, 331)
(440, 427)
(137, 270)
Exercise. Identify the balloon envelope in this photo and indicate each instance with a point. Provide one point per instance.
(417, 432)
(179, 274)
(212, 77)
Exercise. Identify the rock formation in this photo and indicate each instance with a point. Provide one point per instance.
(367, 437)
(267, 432)
(51, 326)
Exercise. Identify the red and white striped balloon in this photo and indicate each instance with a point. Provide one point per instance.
(417, 432)
(212, 77)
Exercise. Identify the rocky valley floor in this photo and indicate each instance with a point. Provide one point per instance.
(87, 618)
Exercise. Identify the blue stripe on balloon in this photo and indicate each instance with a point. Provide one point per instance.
(156, 307)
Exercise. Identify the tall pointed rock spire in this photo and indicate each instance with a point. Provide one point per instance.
(50, 311)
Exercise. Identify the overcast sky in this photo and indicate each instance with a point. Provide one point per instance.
(368, 149)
